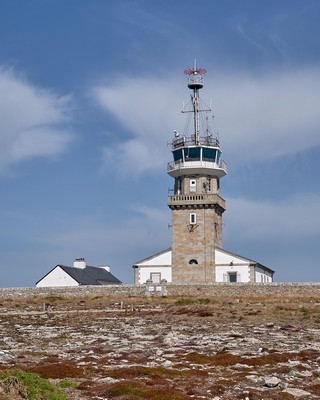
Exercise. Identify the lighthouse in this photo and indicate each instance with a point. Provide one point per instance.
(196, 204)
(196, 255)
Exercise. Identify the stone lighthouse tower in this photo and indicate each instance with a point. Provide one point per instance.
(196, 204)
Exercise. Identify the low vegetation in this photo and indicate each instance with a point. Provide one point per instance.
(17, 384)
(98, 347)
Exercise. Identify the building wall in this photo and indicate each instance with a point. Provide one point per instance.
(223, 258)
(262, 276)
(145, 273)
(242, 271)
(217, 289)
(226, 263)
(159, 259)
(57, 277)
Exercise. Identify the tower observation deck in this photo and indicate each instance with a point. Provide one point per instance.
(197, 151)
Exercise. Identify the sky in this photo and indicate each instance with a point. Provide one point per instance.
(90, 93)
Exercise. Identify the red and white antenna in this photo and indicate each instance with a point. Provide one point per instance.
(195, 80)
(195, 70)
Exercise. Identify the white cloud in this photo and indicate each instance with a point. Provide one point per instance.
(32, 121)
(119, 244)
(268, 116)
(147, 109)
(260, 117)
(297, 217)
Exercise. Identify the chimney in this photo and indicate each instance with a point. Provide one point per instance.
(79, 263)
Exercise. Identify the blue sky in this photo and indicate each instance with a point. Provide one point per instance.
(90, 92)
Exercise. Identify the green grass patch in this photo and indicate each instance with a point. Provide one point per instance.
(19, 384)
(65, 384)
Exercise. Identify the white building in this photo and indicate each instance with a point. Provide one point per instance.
(79, 274)
(229, 267)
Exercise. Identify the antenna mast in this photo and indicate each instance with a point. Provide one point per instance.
(195, 83)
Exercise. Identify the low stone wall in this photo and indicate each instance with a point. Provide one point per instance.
(204, 290)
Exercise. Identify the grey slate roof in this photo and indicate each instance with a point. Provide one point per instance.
(91, 275)
(88, 275)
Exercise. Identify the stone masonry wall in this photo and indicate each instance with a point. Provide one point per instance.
(202, 249)
(204, 290)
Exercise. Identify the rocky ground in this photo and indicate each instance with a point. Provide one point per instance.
(248, 348)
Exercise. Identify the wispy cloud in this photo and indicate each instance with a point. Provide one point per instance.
(32, 121)
(249, 219)
(250, 38)
(259, 117)
(146, 110)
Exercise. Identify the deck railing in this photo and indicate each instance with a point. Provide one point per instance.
(178, 199)
(191, 140)
(196, 164)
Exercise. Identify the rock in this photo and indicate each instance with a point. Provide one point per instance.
(300, 374)
(297, 392)
(5, 355)
(253, 378)
(167, 364)
(271, 381)
(236, 335)
(269, 324)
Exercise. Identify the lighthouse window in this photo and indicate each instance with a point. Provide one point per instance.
(193, 219)
(193, 261)
(179, 186)
(208, 154)
(192, 154)
(218, 157)
(177, 155)
(193, 185)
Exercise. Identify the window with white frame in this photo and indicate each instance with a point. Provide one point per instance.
(193, 218)
(193, 185)
(155, 277)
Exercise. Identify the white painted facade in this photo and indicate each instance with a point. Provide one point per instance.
(155, 268)
(57, 277)
(262, 276)
(239, 273)
(155, 274)
(229, 268)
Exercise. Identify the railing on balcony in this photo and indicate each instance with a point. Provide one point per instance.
(196, 164)
(179, 199)
(189, 141)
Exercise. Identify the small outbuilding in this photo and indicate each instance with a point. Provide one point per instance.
(229, 268)
(78, 275)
